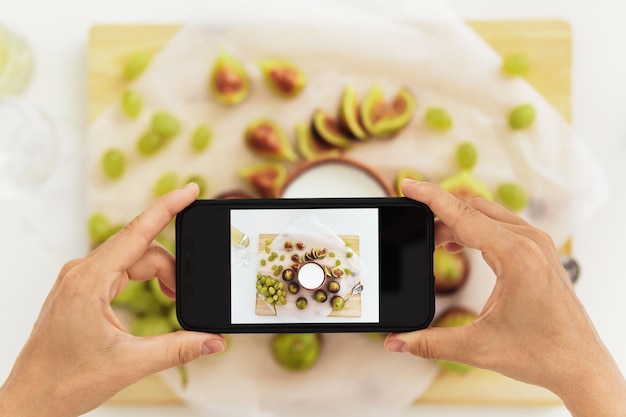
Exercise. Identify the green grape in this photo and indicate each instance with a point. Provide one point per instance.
(201, 184)
(113, 163)
(150, 142)
(438, 118)
(131, 292)
(161, 298)
(167, 243)
(165, 124)
(168, 182)
(466, 155)
(201, 138)
(272, 290)
(136, 65)
(144, 303)
(522, 116)
(515, 64)
(132, 103)
(150, 325)
(512, 196)
(98, 227)
(173, 318)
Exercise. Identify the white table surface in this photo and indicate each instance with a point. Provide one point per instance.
(40, 232)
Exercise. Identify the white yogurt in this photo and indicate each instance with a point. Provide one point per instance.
(311, 276)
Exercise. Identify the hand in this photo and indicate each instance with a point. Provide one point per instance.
(533, 327)
(79, 354)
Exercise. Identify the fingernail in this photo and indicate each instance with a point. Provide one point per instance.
(212, 346)
(190, 184)
(397, 346)
(409, 181)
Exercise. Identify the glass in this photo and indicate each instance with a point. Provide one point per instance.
(28, 147)
(16, 62)
(239, 242)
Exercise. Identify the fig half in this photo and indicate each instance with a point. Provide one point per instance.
(385, 119)
(266, 138)
(466, 186)
(310, 145)
(349, 114)
(229, 82)
(329, 130)
(283, 77)
(267, 179)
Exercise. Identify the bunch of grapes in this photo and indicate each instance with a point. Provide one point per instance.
(271, 289)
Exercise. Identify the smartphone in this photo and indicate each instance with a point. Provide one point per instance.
(305, 265)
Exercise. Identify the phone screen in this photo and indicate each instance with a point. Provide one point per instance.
(305, 265)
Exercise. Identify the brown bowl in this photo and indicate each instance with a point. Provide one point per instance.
(307, 166)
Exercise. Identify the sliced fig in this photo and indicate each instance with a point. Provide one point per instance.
(349, 114)
(266, 138)
(330, 131)
(311, 146)
(267, 179)
(229, 82)
(385, 119)
(466, 186)
(233, 195)
(283, 77)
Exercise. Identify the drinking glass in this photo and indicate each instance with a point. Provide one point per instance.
(28, 146)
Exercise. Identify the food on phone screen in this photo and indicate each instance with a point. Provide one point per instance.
(522, 116)
(132, 103)
(113, 163)
(136, 65)
(515, 64)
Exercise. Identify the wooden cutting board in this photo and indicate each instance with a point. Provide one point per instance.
(546, 42)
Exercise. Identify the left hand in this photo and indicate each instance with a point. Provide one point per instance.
(79, 354)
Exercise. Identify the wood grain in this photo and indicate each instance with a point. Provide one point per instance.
(548, 45)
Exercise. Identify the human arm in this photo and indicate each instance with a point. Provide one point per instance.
(532, 328)
(79, 354)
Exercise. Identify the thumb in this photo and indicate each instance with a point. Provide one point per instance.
(441, 343)
(157, 353)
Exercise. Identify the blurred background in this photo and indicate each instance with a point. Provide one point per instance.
(47, 100)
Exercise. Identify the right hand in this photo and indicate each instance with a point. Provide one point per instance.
(533, 327)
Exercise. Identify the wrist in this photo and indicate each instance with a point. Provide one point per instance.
(596, 389)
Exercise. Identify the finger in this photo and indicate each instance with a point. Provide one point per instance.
(469, 226)
(156, 262)
(157, 353)
(448, 344)
(126, 247)
(496, 211)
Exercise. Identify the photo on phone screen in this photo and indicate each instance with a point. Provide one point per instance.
(307, 266)
(304, 265)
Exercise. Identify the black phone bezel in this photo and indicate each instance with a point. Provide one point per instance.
(405, 274)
